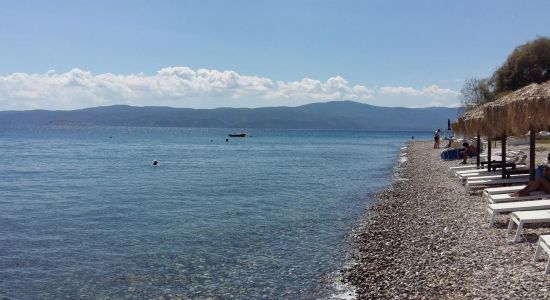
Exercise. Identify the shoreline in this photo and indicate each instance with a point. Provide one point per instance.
(343, 289)
(425, 238)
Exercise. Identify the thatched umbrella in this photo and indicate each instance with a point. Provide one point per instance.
(458, 126)
(474, 122)
(519, 112)
(527, 109)
(474, 125)
(470, 124)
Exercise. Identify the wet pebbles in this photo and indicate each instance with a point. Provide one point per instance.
(427, 239)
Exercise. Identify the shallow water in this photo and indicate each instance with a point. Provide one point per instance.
(83, 213)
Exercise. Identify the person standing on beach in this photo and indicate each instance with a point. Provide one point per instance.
(437, 137)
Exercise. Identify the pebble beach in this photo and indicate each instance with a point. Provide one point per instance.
(426, 238)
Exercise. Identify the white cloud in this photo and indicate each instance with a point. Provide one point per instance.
(171, 86)
(429, 91)
(437, 103)
(427, 96)
(335, 88)
(398, 90)
(201, 88)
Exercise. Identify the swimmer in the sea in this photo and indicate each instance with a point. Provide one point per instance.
(155, 162)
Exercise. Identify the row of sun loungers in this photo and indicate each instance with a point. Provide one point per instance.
(530, 209)
(475, 178)
(464, 175)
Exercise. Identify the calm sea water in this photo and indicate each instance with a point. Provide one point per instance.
(84, 214)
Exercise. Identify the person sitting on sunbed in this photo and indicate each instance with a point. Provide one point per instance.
(541, 183)
(467, 151)
(540, 168)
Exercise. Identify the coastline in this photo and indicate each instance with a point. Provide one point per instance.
(425, 238)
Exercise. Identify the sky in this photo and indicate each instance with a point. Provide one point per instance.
(204, 54)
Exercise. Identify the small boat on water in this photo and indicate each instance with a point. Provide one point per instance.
(240, 134)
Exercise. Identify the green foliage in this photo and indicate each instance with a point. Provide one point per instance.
(527, 64)
(477, 91)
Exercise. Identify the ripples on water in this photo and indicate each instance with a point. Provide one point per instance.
(84, 214)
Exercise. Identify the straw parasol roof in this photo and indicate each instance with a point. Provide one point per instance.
(514, 114)
(474, 122)
(520, 111)
(470, 124)
(458, 125)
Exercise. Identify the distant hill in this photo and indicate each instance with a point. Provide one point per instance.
(330, 115)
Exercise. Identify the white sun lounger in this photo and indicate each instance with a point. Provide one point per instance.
(543, 245)
(520, 218)
(500, 198)
(472, 173)
(500, 190)
(481, 175)
(476, 172)
(502, 208)
(463, 167)
(453, 170)
(495, 176)
(472, 184)
(469, 167)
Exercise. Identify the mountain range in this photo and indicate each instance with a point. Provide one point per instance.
(336, 115)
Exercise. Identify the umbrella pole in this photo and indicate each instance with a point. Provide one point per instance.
(478, 150)
(532, 141)
(503, 147)
(489, 146)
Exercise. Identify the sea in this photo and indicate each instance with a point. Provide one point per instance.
(85, 214)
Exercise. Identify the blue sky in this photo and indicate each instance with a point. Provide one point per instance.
(203, 54)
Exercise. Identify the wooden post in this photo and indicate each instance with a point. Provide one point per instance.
(478, 163)
(503, 147)
(532, 141)
(489, 146)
